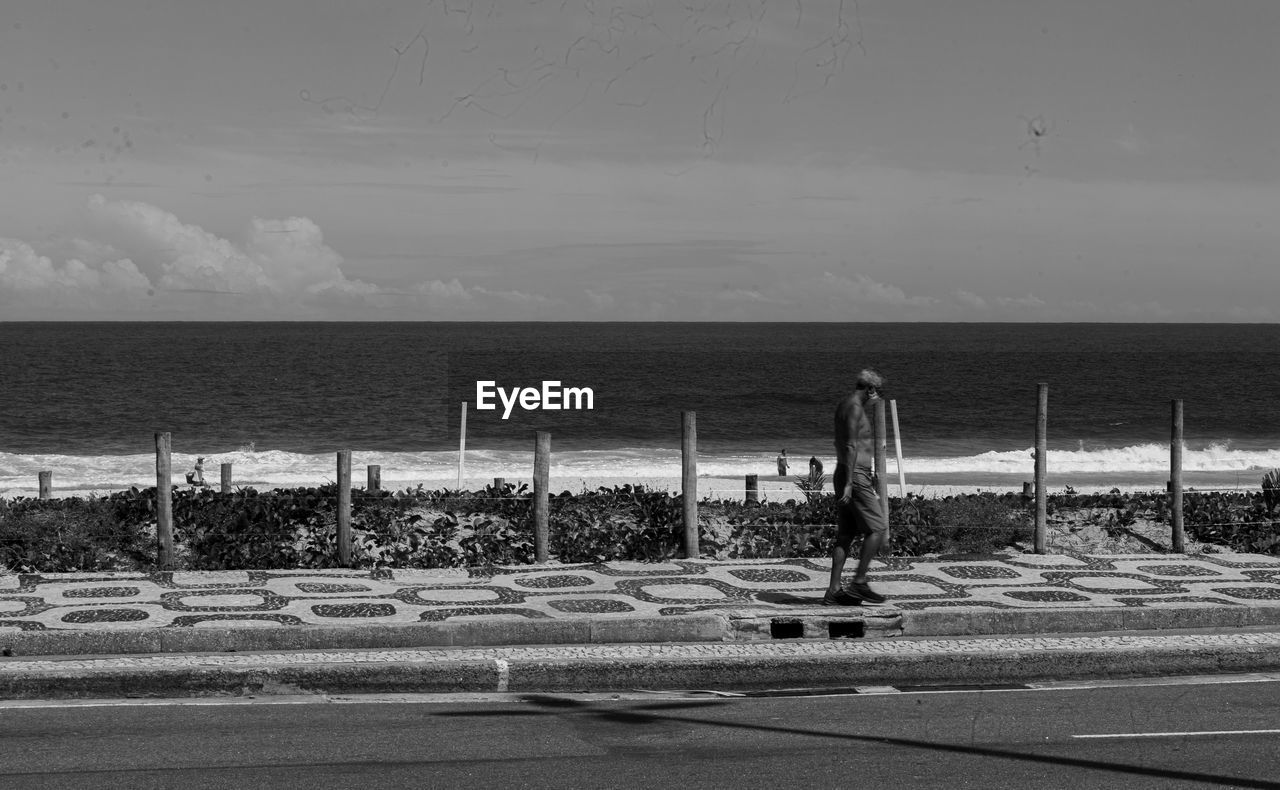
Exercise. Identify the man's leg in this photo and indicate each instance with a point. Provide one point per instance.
(873, 520)
(839, 553)
(871, 544)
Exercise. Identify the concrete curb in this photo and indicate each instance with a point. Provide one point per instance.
(461, 633)
(747, 624)
(957, 622)
(611, 667)
(940, 669)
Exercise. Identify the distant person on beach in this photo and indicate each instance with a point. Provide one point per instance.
(782, 463)
(815, 466)
(196, 477)
(858, 511)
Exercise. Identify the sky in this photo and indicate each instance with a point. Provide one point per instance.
(675, 160)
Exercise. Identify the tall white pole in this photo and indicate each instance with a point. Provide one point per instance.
(462, 444)
(897, 450)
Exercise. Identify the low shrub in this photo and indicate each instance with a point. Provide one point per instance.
(416, 528)
(74, 534)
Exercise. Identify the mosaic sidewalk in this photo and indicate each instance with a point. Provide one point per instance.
(1028, 582)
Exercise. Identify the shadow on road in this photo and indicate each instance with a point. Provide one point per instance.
(638, 715)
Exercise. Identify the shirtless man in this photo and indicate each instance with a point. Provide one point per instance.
(196, 476)
(858, 511)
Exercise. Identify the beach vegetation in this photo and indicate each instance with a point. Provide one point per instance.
(418, 528)
(811, 485)
(67, 535)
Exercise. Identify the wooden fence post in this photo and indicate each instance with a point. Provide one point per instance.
(164, 502)
(897, 450)
(541, 482)
(1042, 459)
(499, 482)
(46, 484)
(879, 438)
(753, 488)
(462, 445)
(375, 478)
(226, 478)
(1175, 478)
(689, 481)
(344, 508)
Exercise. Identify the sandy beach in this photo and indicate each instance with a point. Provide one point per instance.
(771, 489)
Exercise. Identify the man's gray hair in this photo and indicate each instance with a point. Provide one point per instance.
(869, 378)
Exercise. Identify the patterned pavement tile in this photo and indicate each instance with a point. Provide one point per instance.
(483, 613)
(429, 576)
(209, 578)
(1178, 570)
(238, 620)
(576, 582)
(591, 605)
(683, 590)
(455, 596)
(321, 587)
(259, 598)
(103, 615)
(1178, 602)
(1048, 596)
(988, 571)
(110, 618)
(1250, 593)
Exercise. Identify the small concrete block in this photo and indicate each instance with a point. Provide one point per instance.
(674, 628)
(1143, 619)
(1262, 615)
(84, 642)
(937, 622)
(518, 631)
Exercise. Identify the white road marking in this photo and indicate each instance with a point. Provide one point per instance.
(1180, 680)
(138, 703)
(503, 695)
(1177, 734)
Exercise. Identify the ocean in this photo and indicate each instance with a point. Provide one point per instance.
(278, 399)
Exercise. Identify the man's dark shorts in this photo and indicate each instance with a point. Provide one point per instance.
(863, 515)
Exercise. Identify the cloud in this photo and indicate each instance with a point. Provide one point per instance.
(744, 295)
(815, 297)
(436, 290)
(279, 258)
(518, 298)
(1025, 302)
(147, 262)
(969, 299)
(34, 283)
(600, 302)
(1251, 314)
(1140, 310)
(861, 289)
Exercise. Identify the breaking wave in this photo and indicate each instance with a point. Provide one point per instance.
(279, 469)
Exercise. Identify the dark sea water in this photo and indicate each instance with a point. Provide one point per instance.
(279, 398)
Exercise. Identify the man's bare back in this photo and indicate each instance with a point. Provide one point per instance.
(853, 437)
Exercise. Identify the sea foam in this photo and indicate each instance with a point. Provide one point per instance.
(438, 469)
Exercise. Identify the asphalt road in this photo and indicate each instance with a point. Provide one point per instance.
(1180, 733)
